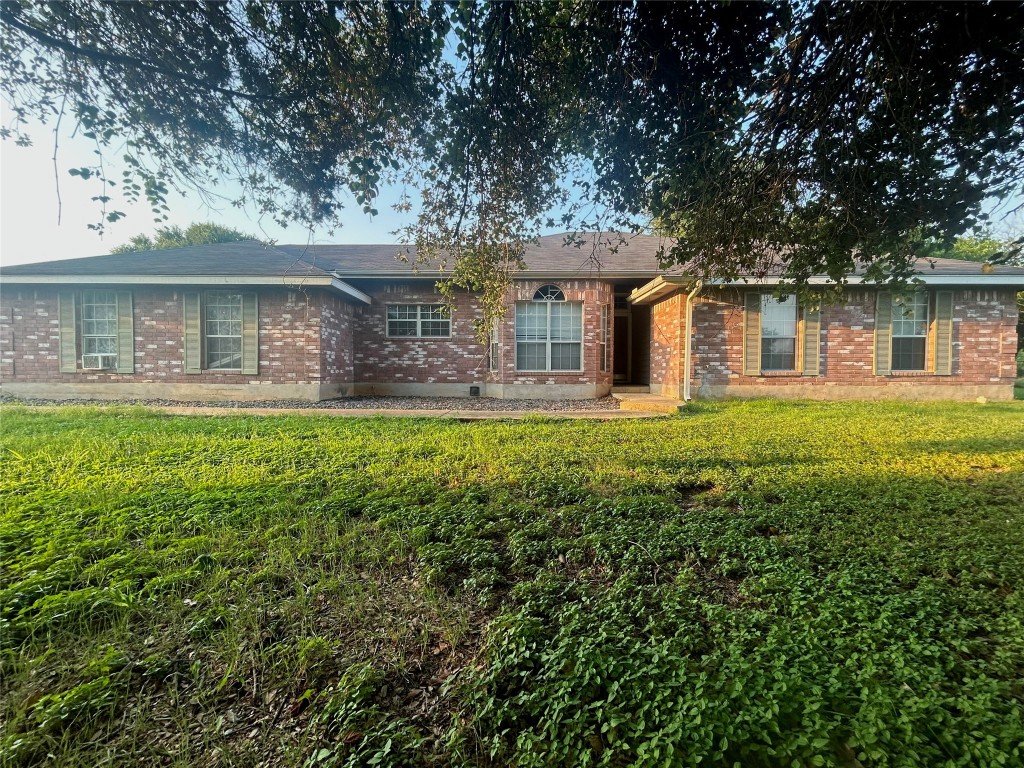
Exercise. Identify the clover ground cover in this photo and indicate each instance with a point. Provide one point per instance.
(754, 583)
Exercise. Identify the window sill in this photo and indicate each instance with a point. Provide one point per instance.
(914, 374)
(418, 338)
(780, 374)
(555, 373)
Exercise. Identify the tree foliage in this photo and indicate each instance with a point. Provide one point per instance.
(822, 136)
(176, 237)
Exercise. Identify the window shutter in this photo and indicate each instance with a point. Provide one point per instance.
(812, 342)
(883, 334)
(193, 334)
(250, 334)
(944, 333)
(125, 333)
(67, 315)
(752, 334)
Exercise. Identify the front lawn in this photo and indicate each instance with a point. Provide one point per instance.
(751, 584)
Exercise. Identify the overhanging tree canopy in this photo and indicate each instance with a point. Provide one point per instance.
(827, 136)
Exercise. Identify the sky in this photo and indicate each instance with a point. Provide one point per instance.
(34, 227)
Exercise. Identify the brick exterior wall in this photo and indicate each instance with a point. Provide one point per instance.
(461, 360)
(593, 294)
(292, 349)
(378, 359)
(337, 328)
(984, 345)
(668, 322)
(321, 341)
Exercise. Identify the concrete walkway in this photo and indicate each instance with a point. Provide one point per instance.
(646, 402)
(407, 413)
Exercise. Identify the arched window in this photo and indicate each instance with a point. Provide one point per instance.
(549, 293)
(549, 332)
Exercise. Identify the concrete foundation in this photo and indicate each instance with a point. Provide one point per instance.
(890, 391)
(503, 391)
(184, 392)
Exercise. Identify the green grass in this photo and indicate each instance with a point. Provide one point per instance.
(752, 584)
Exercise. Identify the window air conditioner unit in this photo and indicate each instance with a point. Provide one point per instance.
(99, 362)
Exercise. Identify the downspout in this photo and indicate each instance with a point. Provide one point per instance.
(688, 351)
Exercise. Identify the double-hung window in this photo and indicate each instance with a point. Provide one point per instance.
(96, 331)
(780, 336)
(99, 323)
(909, 332)
(494, 352)
(223, 331)
(549, 332)
(419, 321)
(778, 333)
(914, 333)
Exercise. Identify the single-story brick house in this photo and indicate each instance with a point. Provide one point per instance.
(249, 321)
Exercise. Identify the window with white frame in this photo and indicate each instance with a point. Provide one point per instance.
(604, 343)
(909, 332)
(778, 333)
(495, 346)
(223, 331)
(419, 321)
(99, 323)
(549, 332)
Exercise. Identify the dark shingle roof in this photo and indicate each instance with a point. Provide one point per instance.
(591, 255)
(245, 258)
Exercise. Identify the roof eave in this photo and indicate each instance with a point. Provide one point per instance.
(659, 288)
(984, 281)
(522, 275)
(288, 281)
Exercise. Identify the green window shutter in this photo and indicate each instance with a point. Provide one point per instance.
(125, 333)
(67, 316)
(944, 333)
(193, 334)
(883, 334)
(752, 334)
(812, 342)
(250, 334)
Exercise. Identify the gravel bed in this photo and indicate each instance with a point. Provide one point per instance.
(355, 403)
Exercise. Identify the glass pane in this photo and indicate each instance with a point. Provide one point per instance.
(549, 293)
(434, 328)
(531, 357)
(433, 312)
(778, 318)
(402, 312)
(531, 321)
(99, 305)
(778, 354)
(224, 353)
(565, 357)
(99, 345)
(401, 328)
(99, 327)
(566, 322)
(908, 353)
(910, 315)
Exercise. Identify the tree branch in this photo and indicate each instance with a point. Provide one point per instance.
(126, 61)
